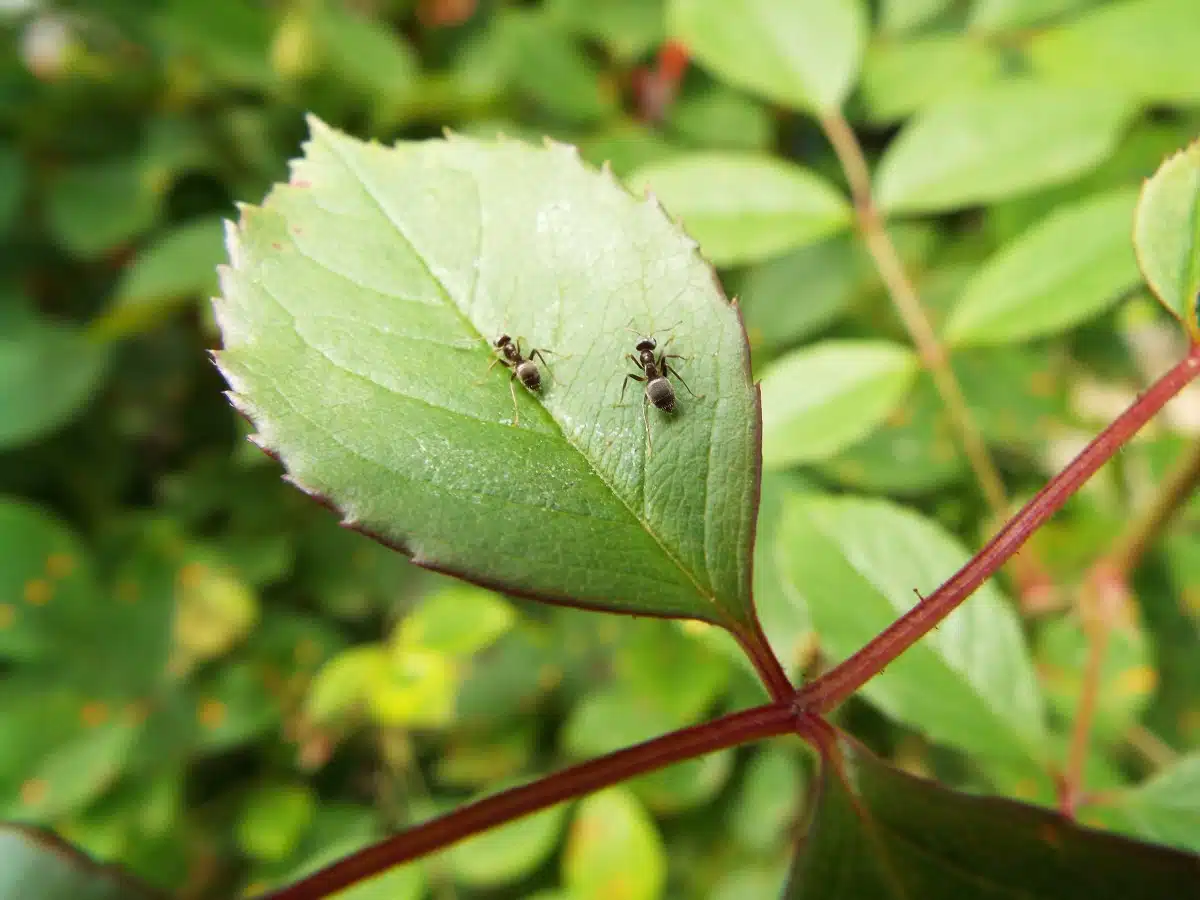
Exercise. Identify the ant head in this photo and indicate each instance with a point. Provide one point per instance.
(646, 344)
(502, 340)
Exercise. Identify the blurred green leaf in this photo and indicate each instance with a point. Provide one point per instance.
(46, 582)
(627, 147)
(749, 884)
(686, 785)
(1167, 236)
(416, 689)
(345, 682)
(232, 706)
(804, 54)
(970, 683)
(782, 611)
(12, 186)
(724, 119)
(511, 852)
(407, 449)
(1068, 268)
(1010, 15)
(1165, 809)
(94, 207)
(1127, 676)
(48, 372)
(822, 398)
(457, 621)
(770, 800)
(38, 866)
(995, 141)
(366, 54)
(274, 819)
(628, 28)
(1144, 48)
(549, 67)
(614, 849)
(179, 265)
(229, 38)
(789, 298)
(915, 451)
(744, 208)
(881, 833)
(902, 78)
(899, 16)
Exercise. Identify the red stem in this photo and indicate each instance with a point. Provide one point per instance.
(728, 731)
(766, 663)
(844, 679)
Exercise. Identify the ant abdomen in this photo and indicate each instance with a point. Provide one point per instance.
(661, 394)
(529, 375)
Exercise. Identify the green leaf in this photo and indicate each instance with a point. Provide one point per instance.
(629, 28)
(1166, 236)
(228, 38)
(180, 265)
(901, 78)
(804, 54)
(356, 317)
(614, 849)
(1144, 48)
(789, 298)
(1010, 15)
(781, 610)
(725, 119)
(992, 142)
(744, 208)
(35, 865)
(548, 66)
(365, 53)
(913, 452)
(12, 186)
(824, 397)
(48, 373)
(510, 852)
(881, 833)
(769, 801)
(969, 683)
(94, 207)
(273, 820)
(1069, 267)
(1165, 809)
(46, 583)
(457, 621)
(1127, 677)
(899, 16)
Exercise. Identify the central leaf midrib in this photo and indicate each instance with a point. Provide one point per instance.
(471, 328)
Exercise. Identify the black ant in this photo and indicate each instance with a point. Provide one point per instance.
(655, 371)
(509, 354)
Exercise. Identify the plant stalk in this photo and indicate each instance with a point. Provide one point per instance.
(844, 679)
(920, 330)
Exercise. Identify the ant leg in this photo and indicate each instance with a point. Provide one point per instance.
(537, 354)
(646, 422)
(492, 364)
(667, 370)
(625, 384)
(512, 390)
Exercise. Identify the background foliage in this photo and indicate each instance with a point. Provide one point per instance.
(208, 681)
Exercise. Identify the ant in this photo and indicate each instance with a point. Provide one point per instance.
(509, 354)
(655, 371)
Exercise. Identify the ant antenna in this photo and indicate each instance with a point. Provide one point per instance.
(653, 331)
